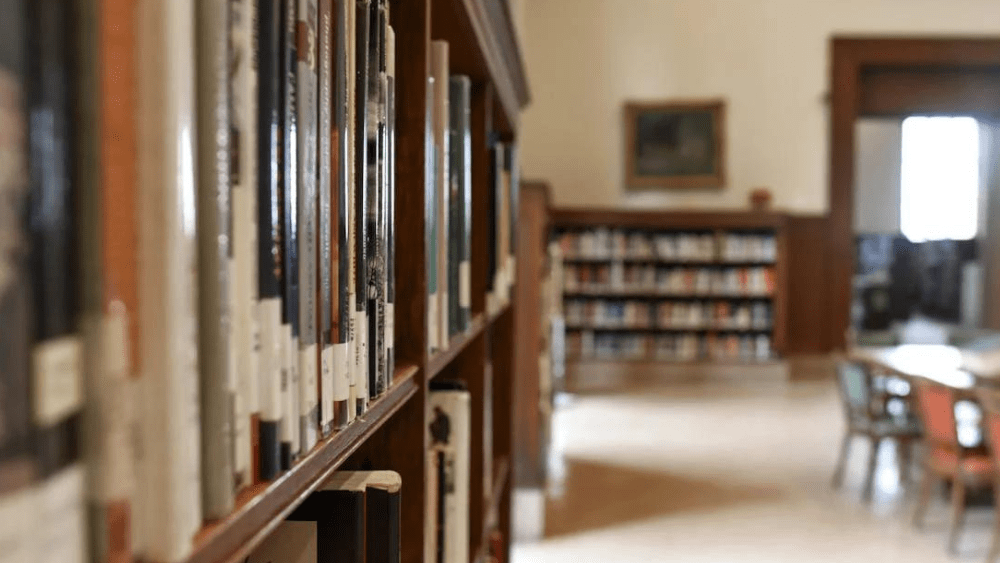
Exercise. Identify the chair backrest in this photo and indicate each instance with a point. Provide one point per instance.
(937, 410)
(855, 389)
(989, 399)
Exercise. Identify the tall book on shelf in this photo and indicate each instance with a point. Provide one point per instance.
(448, 473)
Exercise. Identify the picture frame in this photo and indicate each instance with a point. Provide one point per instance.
(675, 144)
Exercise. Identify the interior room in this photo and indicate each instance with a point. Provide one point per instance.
(499, 281)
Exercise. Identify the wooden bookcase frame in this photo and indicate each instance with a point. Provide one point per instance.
(391, 435)
(718, 221)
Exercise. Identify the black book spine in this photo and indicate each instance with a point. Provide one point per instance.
(57, 350)
(461, 169)
(513, 173)
(17, 458)
(270, 249)
(382, 526)
(373, 230)
(361, 205)
(455, 202)
(340, 524)
(492, 220)
(290, 203)
(340, 206)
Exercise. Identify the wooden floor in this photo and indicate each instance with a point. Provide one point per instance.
(720, 472)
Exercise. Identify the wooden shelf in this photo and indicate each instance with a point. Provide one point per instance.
(703, 328)
(699, 363)
(498, 313)
(672, 262)
(262, 508)
(669, 296)
(439, 360)
(706, 221)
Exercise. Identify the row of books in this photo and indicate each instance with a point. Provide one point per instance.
(755, 281)
(591, 345)
(196, 258)
(607, 243)
(449, 207)
(355, 516)
(668, 314)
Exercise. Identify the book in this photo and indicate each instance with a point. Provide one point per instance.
(492, 229)
(290, 234)
(290, 542)
(308, 112)
(448, 473)
(325, 253)
(243, 133)
(18, 460)
(501, 283)
(431, 223)
(460, 133)
(111, 347)
(351, 151)
(341, 206)
(390, 158)
(375, 214)
(439, 70)
(270, 249)
(216, 376)
(361, 204)
(169, 474)
(356, 514)
(513, 175)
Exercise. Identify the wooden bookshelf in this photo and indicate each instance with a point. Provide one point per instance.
(707, 331)
(391, 434)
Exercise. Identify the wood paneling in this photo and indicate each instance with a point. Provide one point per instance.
(589, 216)
(532, 239)
(807, 302)
(892, 92)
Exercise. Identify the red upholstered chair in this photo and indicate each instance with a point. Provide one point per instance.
(944, 458)
(990, 401)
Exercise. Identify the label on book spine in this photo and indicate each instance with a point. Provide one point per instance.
(18, 512)
(270, 368)
(434, 322)
(62, 533)
(58, 390)
(341, 389)
(361, 368)
(326, 386)
(287, 427)
(308, 407)
(464, 284)
(116, 412)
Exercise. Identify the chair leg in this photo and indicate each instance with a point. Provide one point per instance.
(845, 449)
(957, 512)
(926, 488)
(872, 465)
(905, 460)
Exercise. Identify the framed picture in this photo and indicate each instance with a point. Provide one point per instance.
(675, 144)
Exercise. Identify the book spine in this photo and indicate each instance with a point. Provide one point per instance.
(350, 67)
(290, 234)
(111, 347)
(213, 259)
(18, 460)
(390, 253)
(449, 436)
(514, 183)
(361, 196)
(439, 68)
(307, 107)
(270, 258)
(456, 201)
(431, 222)
(491, 230)
(324, 249)
(54, 204)
(461, 94)
(382, 526)
(170, 481)
(341, 204)
(373, 199)
(243, 133)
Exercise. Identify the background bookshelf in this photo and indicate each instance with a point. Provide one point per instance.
(697, 287)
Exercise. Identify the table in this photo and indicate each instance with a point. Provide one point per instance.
(958, 368)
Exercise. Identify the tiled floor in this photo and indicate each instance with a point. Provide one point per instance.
(728, 472)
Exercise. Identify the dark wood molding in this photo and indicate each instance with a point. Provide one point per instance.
(852, 58)
(708, 220)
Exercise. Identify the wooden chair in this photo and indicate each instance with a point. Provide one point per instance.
(866, 416)
(944, 458)
(990, 401)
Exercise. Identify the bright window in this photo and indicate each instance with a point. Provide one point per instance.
(939, 180)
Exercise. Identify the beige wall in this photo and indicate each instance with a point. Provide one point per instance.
(768, 58)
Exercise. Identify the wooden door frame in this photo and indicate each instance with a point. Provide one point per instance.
(850, 57)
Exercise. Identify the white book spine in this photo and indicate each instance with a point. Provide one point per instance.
(62, 529)
(19, 512)
(244, 228)
(452, 448)
(326, 384)
(361, 364)
(170, 472)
